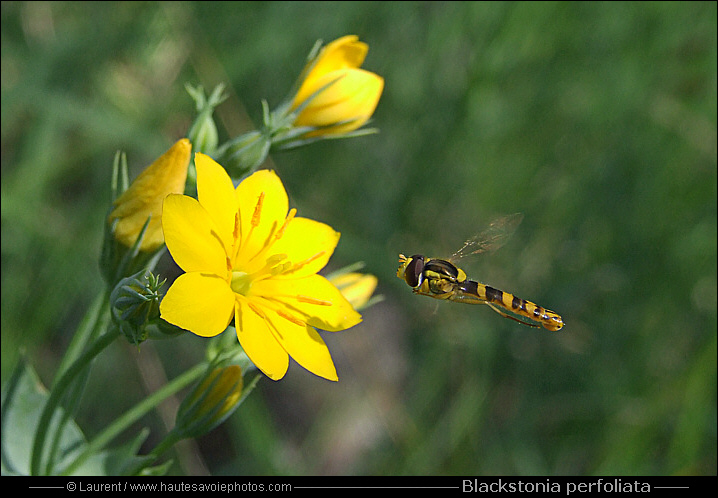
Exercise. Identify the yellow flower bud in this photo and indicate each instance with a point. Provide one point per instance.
(357, 288)
(143, 199)
(335, 91)
(210, 402)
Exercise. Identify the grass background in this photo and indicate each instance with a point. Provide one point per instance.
(596, 120)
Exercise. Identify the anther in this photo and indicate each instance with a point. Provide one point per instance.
(257, 210)
(257, 310)
(311, 300)
(291, 318)
(307, 261)
(290, 217)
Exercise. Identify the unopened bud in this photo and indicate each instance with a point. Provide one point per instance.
(210, 402)
(357, 288)
(203, 132)
(134, 304)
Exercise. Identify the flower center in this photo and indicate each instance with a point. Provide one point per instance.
(242, 281)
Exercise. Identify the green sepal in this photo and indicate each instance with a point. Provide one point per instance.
(245, 153)
(203, 132)
(117, 260)
(134, 302)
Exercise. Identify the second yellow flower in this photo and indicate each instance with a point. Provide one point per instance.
(336, 93)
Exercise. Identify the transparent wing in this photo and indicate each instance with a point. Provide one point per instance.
(493, 237)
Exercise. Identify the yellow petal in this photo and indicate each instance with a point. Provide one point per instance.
(352, 97)
(345, 52)
(304, 344)
(143, 199)
(308, 244)
(263, 206)
(200, 303)
(258, 341)
(216, 194)
(191, 236)
(357, 288)
(319, 303)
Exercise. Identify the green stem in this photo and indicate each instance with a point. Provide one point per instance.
(84, 332)
(56, 395)
(134, 414)
(172, 437)
(92, 323)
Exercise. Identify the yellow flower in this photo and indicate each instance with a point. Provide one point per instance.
(210, 402)
(248, 258)
(143, 199)
(351, 96)
(356, 287)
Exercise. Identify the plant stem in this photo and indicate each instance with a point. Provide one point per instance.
(56, 395)
(97, 314)
(94, 321)
(134, 414)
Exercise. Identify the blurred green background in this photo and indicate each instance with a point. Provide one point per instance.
(595, 120)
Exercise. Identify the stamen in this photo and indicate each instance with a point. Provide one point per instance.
(236, 233)
(290, 217)
(308, 260)
(311, 300)
(277, 235)
(275, 259)
(257, 310)
(279, 269)
(291, 318)
(274, 265)
(237, 236)
(257, 210)
(256, 217)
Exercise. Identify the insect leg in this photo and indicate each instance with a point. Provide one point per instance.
(506, 315)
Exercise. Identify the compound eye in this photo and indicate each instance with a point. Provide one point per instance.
(414, 272)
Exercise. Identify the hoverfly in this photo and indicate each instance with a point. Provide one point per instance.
(442, 279)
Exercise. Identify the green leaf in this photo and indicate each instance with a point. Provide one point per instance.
(23, 398)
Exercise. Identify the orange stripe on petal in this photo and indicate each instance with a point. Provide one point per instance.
(258, 341)
(311, 300)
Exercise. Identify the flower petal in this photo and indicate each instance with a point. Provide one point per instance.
(144, 197)
(319, 303)
(263, 206)
(215, 192)
(357, 288)
(199, 302)
(308, 244)
(342, 53)
(346, 51)
(191, 236)
(303, 343)
(350, 100)
(258, 341)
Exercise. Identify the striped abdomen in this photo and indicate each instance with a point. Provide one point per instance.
(549, 319)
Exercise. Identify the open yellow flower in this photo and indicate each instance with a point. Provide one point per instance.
(143, 199)
(352, 93)
(248, 258)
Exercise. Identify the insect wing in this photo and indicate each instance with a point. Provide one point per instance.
(492, 238)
